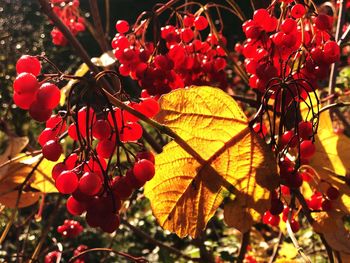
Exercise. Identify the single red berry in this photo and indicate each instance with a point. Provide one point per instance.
(67, 182)
(307, 149)
(122, 26)
(144, 170)
(323, 22)
(305, 129)
(105, 148)
(294, 225)
(260, 16)
(132, 131)
(315, 202)
(200, 23)
(23, 100)
(101, 129)
(332, 193)
(48, 95)
(52, 150)
(28, 64)
(270, 219)
(57, 170)
(75, 207)
(121, 188)
(298, 11)
(276, 207)
(289, 138)
(71, 161)
(90, 183)
(25, 83)
(149, 107)
(38, 112)
(145, 155)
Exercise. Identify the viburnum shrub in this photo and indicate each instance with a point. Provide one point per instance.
(278, 166)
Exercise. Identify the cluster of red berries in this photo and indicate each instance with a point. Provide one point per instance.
(99, 134)
(40, 98)
(318, 201)
(186, 59)
(298, 38)
(68, 12)
(53, 256)
(101, 204)
(70, 228)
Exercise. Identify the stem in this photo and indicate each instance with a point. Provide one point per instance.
(276, 248)
(47, 9)
(151, 141)
(244, 246)
(144, 235)
(340, 24)
(46, 230)
(98, 24)
(295, 241)
(334, 105)
(205, 255)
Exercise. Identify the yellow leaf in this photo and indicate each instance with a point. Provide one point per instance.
(288, 251)
(81, 71)
(332, 227)
(186, 190)
(331, 161)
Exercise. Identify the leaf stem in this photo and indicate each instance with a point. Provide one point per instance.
(244, 246)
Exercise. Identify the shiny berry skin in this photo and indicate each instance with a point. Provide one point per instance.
(298, 11)
(315, 202)
(144, 170)
(331, 52)
(52, 257)
(48, 95)
(200, 23)
(132, 131)
(307, 149)
(323, 22)
(276, 207)
(75, 207)
(23, 100)
(305, 129)
(294, 225)
(110, 223)
(260, 16)
(28, 64)
(293, 180)
(67, 182)
(145, 155)
(52, 150)
(122, 26)
(101, 129)
(270, 219)
(38, 112)
(332, 193)
(90, 183)
(58, 169)
(121, 188)
(288, 25)
(149, 107)
(289, 138)
(105, 148)
(25, 83)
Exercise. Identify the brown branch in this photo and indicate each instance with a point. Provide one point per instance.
(205, 255)
(151, 141)
(334, 105)
(146, 236)
(276, 248)
(244, 245)
(95, 13)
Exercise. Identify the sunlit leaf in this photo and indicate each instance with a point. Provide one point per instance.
(332, 227)
(187, 190)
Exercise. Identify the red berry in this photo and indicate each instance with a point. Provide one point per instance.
(132, 131)
(58, 169)
(323, 22)
(71, 161)
(200, 23)
(72, 132)
(122, 26)
(121, 188)
(270, 219)
(289, 138)
(23, 100)
(332, 193)
(315, 202)
(288, 25)
(145, 155)
(28, 64)
(149, 107)
(38, 112)
(144, 170)
(307, 149)
(294, 225)
(298, 11)
(48, 96)
(305, 129)
(105, 148)
(90, 183)
(25, 83)
(52, 150)
(67, 182)
(276, 207)
(101, 129)
(260, 16)
(75, 207)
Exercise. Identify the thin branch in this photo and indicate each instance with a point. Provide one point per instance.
(276, 248)
(146, 236)
(151, 141)
(244, 246)
(295, 242)
(334, 105)
(95, 13)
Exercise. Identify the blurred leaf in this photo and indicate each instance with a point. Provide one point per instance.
(105, 60)
(332, 227)
(288, 251)
(232, 159)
